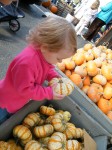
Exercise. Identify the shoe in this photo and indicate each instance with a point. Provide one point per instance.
(83, 37)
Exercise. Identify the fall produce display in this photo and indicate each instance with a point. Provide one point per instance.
(91, 70)
(57, 132)
(64, 86)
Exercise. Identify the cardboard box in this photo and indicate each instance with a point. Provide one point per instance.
(79, 118)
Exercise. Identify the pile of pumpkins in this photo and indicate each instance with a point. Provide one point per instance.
(90, 68)
(48, 129)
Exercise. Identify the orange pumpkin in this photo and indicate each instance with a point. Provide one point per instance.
(69, 64)
(81, 70)
(46, 4)
(78, 58)
(76, 78)
(87, 46)
(53, 9)
(89, 56)
(110, 100)
(109, 56)
(86, 80)
(104, 105)
(109, 115)
(68, 73)
(100, 79)
(92, 68)
(94, 92)
(96, 52)
(106, 71)
(98, 62)
(107, 93)
(61, 66)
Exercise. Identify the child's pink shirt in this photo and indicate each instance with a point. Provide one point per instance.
(24, 79)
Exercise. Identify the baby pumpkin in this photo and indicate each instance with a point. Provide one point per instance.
(70, 131)
(73, 145)
(3, 145)
(43, 131)
(79, 133)
(23, 133)
(57, 141)
(34, 145)
(59, 122)
(64, 86)
(49, 111)
(31, 120)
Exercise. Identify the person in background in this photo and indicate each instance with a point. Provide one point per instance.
(87, 17)
(52, 40)
(102, 18)
(7, 2)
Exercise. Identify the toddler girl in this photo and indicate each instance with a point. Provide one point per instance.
(52, 40)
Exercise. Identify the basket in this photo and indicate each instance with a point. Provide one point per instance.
(63, 9)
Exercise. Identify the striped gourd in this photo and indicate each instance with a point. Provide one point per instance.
(64, 86)
(31, 120)
(49, 111)
(58, 122)
(43, 131)
(22, 132)
(73, 145)
(57, 141)
(79, 133)
(3, 145)
(70, 131)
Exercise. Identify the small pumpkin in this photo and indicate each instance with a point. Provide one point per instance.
(100, 79)
(49, 111)
(68, 73)
(78, 58)
(3, 145)
(33, 145)
(13, 146)
(49, 119)
(92, 69)
(86, 80)
(94, 92)
(107, 93)
(73, 145)
(104, 105)
(70, 131)
(23, 133)
(44, 141)
(106, 71)
(46, 4)
(64, 86)
(81, 70)
(89, 56)
(79, 133)
(57, 141)
(98, 62)
(58, 122)
(31, 120)
(69, 64)
(76, 78)
(53, 9)
(42, 119)
(87, 46)
(43, 131)
(96, 52)
(66, 115)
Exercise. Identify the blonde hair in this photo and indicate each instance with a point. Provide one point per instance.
(53, 32)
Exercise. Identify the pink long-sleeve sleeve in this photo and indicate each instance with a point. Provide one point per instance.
(25, 83)
(52, 74)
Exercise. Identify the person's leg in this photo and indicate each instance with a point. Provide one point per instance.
(93, 29)
(4, 115)
(79, 25)
(83, 25)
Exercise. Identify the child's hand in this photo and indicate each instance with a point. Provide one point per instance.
(55, 95)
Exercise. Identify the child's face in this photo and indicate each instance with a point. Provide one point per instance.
(54, 57)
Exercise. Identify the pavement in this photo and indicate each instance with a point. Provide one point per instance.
(12, 43)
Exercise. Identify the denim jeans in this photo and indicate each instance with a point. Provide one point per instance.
(4, 115)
